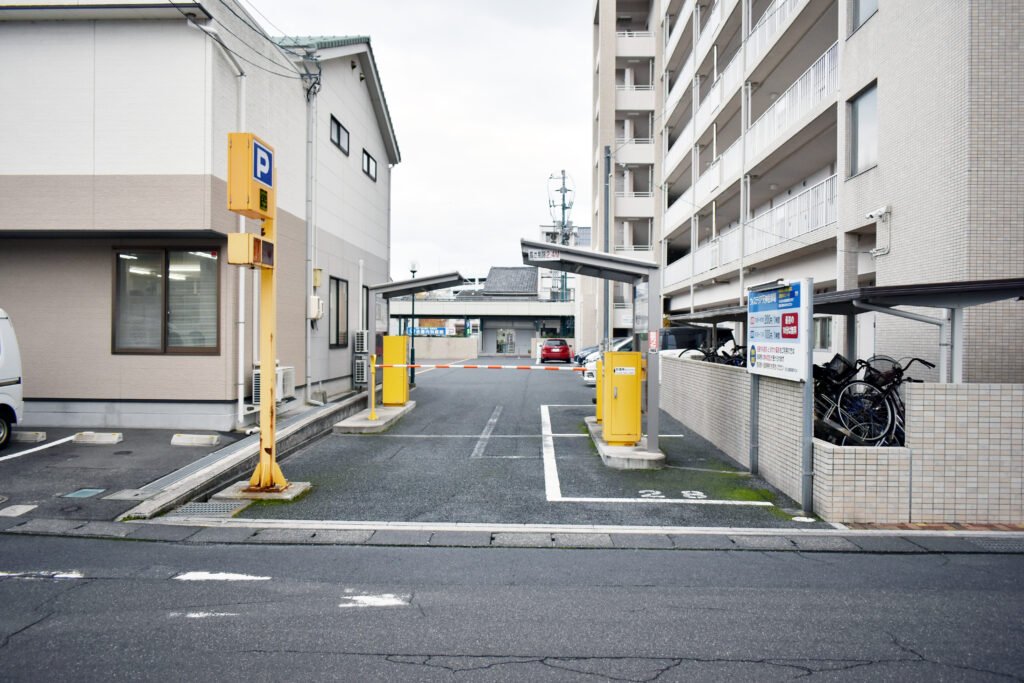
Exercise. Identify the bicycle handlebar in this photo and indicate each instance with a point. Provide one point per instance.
(922, 361)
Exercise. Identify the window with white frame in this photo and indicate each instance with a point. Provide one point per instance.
(339, 135)
(369, 165)
(823, 333)
(861, 11)
(864, 130)
(166, 301)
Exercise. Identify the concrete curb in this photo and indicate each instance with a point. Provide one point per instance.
(386, 417)
(243, 455)
(623, 457)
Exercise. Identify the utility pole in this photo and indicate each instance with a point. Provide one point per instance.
(564, 205)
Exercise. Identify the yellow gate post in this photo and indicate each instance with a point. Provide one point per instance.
(373, 386)
(396, 383)
(251, 192)
(600, 387)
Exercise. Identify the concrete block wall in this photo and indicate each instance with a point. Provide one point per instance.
(780, 451)
(968, 448)
(712, 400)
(861, 484)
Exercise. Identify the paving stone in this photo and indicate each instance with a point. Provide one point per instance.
(161, 532)
(396, 537)
(283, 536)
(885, 544)
(763, 543)
(341, 537)
(831, 544)
(223, 535)
(103, 530)
(474, 539)
(522, 540)
(946, 544)
(577, 540)
(47, 526)
(642, 541)
(702, 541)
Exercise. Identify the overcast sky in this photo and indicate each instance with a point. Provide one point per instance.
(488, 98)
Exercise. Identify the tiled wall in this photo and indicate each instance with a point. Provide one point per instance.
(861, 484)
(968, 449)
(712, 400)
(780, 449)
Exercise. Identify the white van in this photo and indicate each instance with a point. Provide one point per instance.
(12, 403)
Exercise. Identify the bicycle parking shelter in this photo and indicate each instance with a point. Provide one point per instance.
(620, 269)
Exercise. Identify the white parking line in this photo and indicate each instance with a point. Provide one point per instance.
(37, 448)
(218, 576)
(485, 436)
(553, 488)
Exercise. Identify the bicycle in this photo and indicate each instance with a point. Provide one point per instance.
(848, 411)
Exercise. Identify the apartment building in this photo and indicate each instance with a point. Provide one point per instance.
(857, 142)
(114, 122)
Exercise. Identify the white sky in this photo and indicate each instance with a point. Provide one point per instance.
(488, 98)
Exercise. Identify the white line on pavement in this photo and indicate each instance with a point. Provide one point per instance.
(202, 615)
(684, 501)
(378, 600)
(485, 436)
(218, 576)
(74, 574)
(552, 489)
(16, 510)
(37, 448)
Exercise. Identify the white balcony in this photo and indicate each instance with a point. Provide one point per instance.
(680, 148)
(634, 97)
(732, 76)
(638, 251)
(708, 183)
(634, 44)
(634, 204)
(679, 212)
(768, 28)
(673, 38)
(634, 150)
(710, 30)
(813, 208)
(682, 84)
(818, 83)
(732, 162)
(708, 106)
(705, 258)
(729, 245)
(677, 272)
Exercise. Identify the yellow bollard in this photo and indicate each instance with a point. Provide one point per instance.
(600, 382)
(396, 380)
(373, 386)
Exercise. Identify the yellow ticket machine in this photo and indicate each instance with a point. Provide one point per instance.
(598, 375)
(396, 380)
(621, 410)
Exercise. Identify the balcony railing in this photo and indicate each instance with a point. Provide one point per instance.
(633, 88)
(681, 209)
(638, 195)
(680, 148)
(708, 181)
(631, 248)
(634, 34)
(732, 75)
(634, 141)
(705, 258)
(813, 208)
(732, 160)
(729, 245)
(678, 271)
(768, 28)
(680, 86)
(708, 106)
(707, 34)
(813, 86)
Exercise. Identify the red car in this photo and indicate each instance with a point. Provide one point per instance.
(555, 349)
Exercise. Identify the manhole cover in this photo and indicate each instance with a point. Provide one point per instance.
(1001, 545)
(213, 508)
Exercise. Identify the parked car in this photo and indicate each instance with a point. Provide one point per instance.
(590, 367)
(582, 354)
(12, 403)
(689, 337)
(556, 349)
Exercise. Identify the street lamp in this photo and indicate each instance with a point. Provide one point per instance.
(412, 316)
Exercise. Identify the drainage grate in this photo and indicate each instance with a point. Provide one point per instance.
(213, 508)
(1001, 545)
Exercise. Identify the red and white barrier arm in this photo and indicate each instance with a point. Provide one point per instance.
(488, 367)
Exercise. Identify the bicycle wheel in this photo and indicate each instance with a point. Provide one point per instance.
(865, 411)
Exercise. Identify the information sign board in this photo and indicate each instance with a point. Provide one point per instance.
(778, 327)
(543, 255)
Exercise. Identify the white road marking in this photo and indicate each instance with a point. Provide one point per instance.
(37, 448)
(683, 501)
(485, 436)
(378, 600)
(16, 510)
(202, 615)
(468, 436)
(218, 576)
(552, 488)
(74, 574)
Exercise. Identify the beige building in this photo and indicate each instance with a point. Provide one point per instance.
(113, 217)
(858, 142)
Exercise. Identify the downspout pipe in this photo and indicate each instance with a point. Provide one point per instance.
(240, 411)
(311, 92)
(942, 324)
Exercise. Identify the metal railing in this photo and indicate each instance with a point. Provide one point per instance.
(813, 208)
(490, 298)
(634, 141)
(706, 257)
(707, 34)
(708, 181)
(636, 195)
(732, 161)
(679, 211)
(813, 86)
(634, 247)
(729, 245)
(678, 271)
(634, 34)
(768, 28)
(680, 148)
(634, 87)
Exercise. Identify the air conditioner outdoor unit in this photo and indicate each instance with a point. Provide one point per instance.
(285, 383)
(361, 371)
(362, 341)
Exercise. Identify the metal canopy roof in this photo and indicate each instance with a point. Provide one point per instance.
(586, 262)
(417, 285)
(933, 295)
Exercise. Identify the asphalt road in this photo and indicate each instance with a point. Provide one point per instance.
(472, 452)
(121, 610)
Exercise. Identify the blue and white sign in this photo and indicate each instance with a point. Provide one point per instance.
(262, 164)
(429, 332)
(778, 330)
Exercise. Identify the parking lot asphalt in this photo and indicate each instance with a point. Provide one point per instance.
(472, 452)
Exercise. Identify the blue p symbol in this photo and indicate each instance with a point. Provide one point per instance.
(263, 165)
